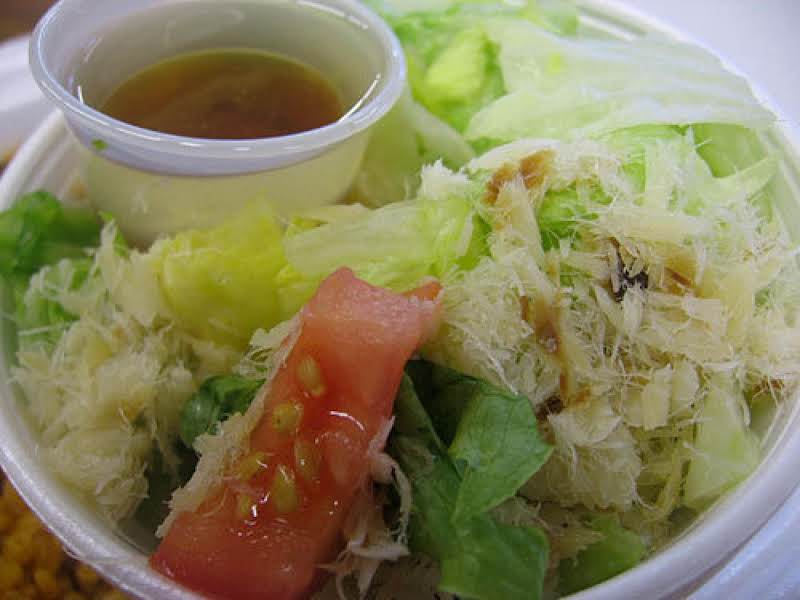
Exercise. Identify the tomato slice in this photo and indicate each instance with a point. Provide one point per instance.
(278, 515)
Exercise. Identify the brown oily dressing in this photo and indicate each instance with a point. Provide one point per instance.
(226, 94)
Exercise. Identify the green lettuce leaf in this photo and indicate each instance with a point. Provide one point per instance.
(492, 435)
(736, 154)
(400, 144)
(618, 551)
(217, 399)
(572, 88)
(479, 557)
(220, 283)
(725, 450)
(394, 246)
(558, 216)
(727, 148)
(40, 316)
(38, 230)
(453, 66)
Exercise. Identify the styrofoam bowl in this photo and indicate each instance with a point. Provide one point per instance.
(49, 160)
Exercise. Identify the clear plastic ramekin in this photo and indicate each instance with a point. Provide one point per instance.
(156, 183)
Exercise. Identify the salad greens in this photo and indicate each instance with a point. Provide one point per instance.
(453, 66)
(491, 436)
(727, 452)
(479, 557)
(617, 551)
(395, 246)
(619, 309)
(42, 250)
(217, 399)
(219, 283)
(40, 317)
(401, 143)
(39, 230)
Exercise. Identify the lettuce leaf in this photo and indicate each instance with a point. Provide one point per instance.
(394, 246)
(453, 67)
(479, 557)
(725, 450)
(38, 230)
(492, 435)
(618, 551)
(727, 148)
(217, 399)
(44, 252)
(40, 316)
(220, 283)
(736, 154)
(400, 144)
(572, 88)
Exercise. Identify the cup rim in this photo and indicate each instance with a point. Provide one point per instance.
(206, 156)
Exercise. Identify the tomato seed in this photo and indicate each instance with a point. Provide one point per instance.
(284, 490)
(251, 464)
(244, 506)
(286, 416)
(310, 376)
(307, 459)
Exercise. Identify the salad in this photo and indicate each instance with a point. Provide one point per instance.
(555, 322)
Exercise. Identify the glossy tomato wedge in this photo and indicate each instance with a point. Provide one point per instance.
(278, 516)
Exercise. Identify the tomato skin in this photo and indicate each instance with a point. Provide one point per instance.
(278, 515)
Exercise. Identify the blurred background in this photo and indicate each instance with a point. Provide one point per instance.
(19, 16)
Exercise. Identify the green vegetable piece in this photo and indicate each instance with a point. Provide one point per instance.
(394, 246)
(500, 447)
(442, 392)
(479, 557)
(618, 551)
(731, 149)
(725, 450)
(492, 435)
(220, 282)
(496, 561)
(559, 215)
(727, 149)
(38, 230)
(99, 145)
(161, 483)
(581, 88)
(217, 399)
(459, 71)
(632, 144)
(452, 67)
(39, 316)
(412, 421)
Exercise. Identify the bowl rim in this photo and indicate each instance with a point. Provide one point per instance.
(674, 570)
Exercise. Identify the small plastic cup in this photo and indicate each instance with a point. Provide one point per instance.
(156, 183)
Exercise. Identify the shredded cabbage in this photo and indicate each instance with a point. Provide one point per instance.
(106, 394)
(660, 282)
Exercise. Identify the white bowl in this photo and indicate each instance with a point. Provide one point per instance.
(48, 160)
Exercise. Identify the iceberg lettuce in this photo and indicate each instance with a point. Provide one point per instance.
(572, 88)
(452, 63)
(395, 246)
(220, 283)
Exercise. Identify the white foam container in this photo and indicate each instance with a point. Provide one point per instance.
(48, 160)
